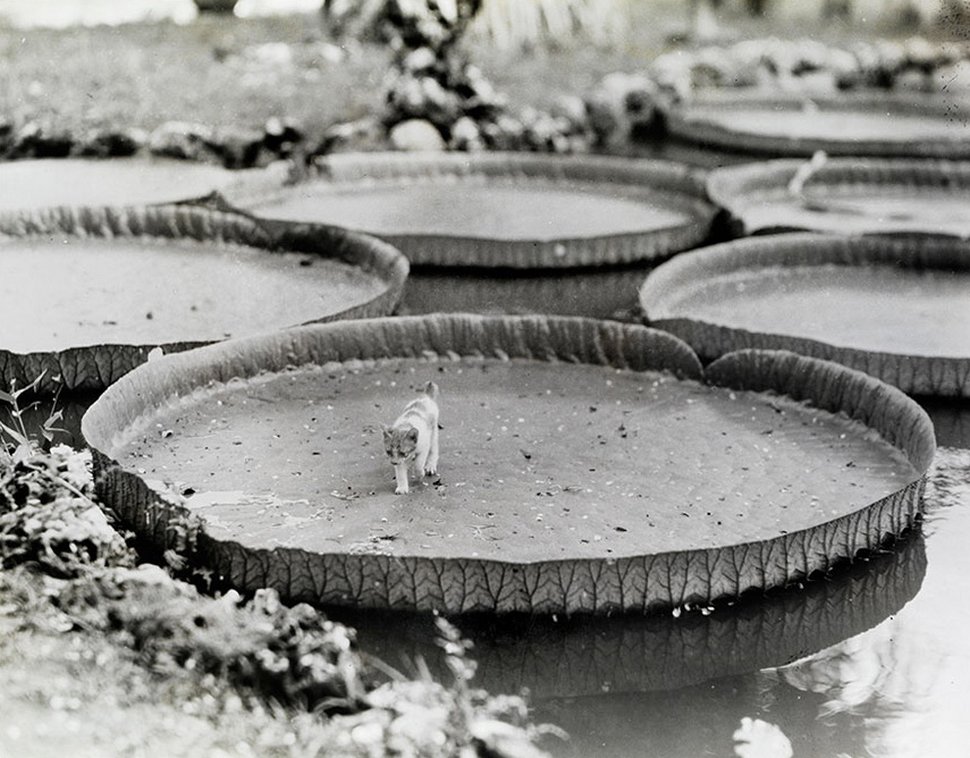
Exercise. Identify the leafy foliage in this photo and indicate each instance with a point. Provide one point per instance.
(15, 442)
(288, 655)
(47, 514)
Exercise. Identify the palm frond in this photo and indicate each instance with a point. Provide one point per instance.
(517, 23)
(504, 23)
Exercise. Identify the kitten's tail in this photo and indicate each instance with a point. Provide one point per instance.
(431, 390)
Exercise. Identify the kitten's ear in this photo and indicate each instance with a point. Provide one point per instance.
(413, 434)
(386, 431)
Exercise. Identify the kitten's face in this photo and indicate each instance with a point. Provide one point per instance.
(400, 444)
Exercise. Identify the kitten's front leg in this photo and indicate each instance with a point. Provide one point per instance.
(401, 477)
(432, 466)
(419, 462)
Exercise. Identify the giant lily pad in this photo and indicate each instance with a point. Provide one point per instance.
(896, 308)
(857, 124)
(848, 196)
(48, 183)
(500, 210)
(86, 293)
(585, 466)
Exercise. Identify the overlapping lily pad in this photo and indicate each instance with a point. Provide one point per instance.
(87, 293)
(48, 183)
(500, 210)
(848, 196)
(896, 308)
(585, 466)
(887, 125)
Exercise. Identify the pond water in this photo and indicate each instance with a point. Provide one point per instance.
(874, 660)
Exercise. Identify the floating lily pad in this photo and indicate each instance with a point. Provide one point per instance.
(500, 210)
(896, 308)
(585, 466)
(848, 196)
(877, 125)
(47, 183)
(86, 293)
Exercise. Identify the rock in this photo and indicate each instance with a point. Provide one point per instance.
(504, 133)
(572, 108)
(404, 96)
(6, 136)
(416, 134)
(442, 106)
(922, 54)
(845, 68)
(350, 136)
(241, 148)
(621, 107)
(331, 53)
(420, 60)
(480, 89)
(672, 73)
(40, 140)
(579, 143)
(892, 55)
(282, 136)
(423, 97)
(913, 80)
(179, 139)
(110, 143)
(543, 132)
(465, 135)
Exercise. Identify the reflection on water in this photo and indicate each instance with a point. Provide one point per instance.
(907, 681)
(589, 656)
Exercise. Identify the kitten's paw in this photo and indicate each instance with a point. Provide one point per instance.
(401, 490)
(430, 470)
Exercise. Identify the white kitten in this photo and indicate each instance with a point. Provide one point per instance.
(413, 438)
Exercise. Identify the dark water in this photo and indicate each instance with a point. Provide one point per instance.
(594, 293)
(872, 661)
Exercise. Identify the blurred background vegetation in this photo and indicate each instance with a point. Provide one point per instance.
(230, 70)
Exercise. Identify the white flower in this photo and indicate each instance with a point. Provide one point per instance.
(759, 739)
